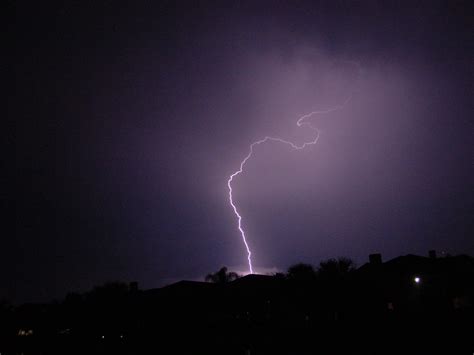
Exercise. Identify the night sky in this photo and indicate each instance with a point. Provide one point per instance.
(127, 120)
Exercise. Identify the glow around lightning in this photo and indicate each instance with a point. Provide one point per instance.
(302, 121)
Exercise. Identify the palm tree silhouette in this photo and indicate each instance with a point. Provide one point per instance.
(222, 276)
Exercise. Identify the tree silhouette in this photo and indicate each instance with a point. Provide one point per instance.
(222, 276)
(335, 268)
(302, 273)
(110, 291)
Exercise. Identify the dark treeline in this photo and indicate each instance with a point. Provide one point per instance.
(410, 304)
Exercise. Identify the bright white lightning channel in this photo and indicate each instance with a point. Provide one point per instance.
(300, 123)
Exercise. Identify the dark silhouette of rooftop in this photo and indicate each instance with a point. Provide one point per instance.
(334, 308)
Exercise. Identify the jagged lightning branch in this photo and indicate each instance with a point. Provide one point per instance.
(301, 122)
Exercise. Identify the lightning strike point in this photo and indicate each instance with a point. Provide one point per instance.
(302, 121)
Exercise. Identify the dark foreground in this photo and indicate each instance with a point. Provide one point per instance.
(409, 305)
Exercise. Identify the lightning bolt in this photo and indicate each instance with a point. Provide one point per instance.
(302, 121)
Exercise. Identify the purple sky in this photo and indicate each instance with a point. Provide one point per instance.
(128, 120)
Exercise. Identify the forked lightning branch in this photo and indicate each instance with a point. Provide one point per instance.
(303, 121)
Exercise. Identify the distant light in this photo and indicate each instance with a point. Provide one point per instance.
(417, 280)
(103, 336)
(25, 332)
(121, 336)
